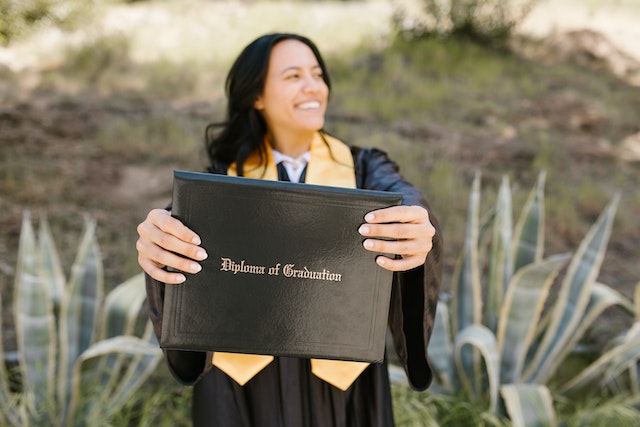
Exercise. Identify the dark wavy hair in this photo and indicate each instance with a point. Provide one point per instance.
(244, 128)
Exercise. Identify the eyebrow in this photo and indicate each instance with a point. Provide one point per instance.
(298, 67)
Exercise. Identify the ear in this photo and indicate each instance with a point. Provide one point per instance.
(258, 104)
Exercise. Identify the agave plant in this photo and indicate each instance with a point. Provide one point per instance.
(511, 340)
(618, 367)
(80, 355)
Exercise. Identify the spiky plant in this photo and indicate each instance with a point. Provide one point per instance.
(80, 355)
(501, 344)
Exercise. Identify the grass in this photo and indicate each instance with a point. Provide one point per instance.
(160, 402)
(428, 409)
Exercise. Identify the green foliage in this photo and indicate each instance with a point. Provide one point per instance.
(81, 355)
(487, 21)
(160, 402)
(603, 410)
(92, 59)
(508, 336)
(19, 17)
(426, 409)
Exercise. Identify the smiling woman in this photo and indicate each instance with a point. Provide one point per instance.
(278, 89)
(295, 97)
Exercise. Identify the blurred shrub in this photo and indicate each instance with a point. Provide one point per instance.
(487, 21)
(19, 17)
(97, 57)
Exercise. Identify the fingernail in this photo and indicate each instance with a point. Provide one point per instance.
(201, 255)
(181, 279)
(368, 244)
(363, 229)
(369, 217)
(196, 240)
(195, 267)
(381, 260)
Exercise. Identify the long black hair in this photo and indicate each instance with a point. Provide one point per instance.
(244, 129)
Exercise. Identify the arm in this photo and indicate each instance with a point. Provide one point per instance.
(165, 242)
(415, 290)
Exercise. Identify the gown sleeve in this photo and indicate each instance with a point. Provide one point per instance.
(186, 366)
(415, 292)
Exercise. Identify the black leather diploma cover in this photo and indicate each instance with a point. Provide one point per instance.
(286, 274)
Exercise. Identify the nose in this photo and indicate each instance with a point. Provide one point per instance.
(312, 83)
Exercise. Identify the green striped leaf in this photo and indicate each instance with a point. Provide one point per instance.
(574, 296)
(139, 368)
(122, 306)
(50, 266)
(529, 405)
(466, 307)
(528, 236)
(520, 315)
(466, 286)
(609, 365)
(480, 338)
(602, 298)
(79, 308)
(500, 265)
(122, 344)
(35, 327)
(119, 315)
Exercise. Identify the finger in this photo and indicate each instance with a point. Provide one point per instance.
(170, 244)
(412, 214)
(398, 230)
(149, 232)
(402, 264)
(163, 220)
(160, 257)
(161, 275)
(405, 248)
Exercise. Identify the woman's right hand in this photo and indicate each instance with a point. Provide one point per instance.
(165, 242)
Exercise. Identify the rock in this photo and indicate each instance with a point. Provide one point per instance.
(629, 150)
(594, 49)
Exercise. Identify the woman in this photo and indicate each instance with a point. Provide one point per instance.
(277, 91)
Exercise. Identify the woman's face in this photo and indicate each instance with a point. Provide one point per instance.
(294, 98)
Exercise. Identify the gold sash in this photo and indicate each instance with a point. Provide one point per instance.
(331, 164)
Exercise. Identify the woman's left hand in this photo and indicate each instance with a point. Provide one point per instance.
(411, 233)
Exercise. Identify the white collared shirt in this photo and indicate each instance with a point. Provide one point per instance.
(293, 166)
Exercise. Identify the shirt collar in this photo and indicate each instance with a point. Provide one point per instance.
(293, 166)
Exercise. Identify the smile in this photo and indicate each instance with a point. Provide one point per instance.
(313, 105)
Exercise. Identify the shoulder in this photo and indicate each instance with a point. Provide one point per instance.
(372, 159)
(361, 155)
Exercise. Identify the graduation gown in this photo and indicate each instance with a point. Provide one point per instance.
(286, 393)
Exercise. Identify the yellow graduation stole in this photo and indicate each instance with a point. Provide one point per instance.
(331, 164)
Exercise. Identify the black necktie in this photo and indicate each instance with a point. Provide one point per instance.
(284, 176)
(282, 172)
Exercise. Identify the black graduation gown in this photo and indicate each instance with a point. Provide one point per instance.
(286, 393)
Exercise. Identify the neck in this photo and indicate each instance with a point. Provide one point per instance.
(292, 146)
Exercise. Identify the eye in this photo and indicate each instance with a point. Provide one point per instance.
(292, 76)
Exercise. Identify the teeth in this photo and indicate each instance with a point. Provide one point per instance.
(309, 105)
